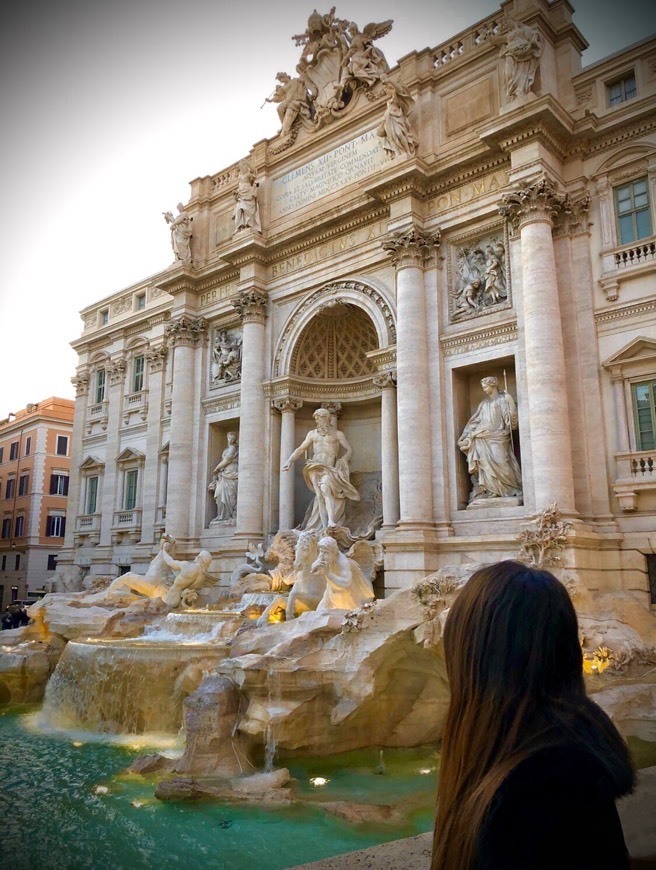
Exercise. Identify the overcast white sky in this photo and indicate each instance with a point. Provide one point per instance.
(108, 108)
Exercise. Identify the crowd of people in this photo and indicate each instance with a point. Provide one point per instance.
(15, 616)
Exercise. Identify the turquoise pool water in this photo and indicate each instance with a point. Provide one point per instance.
(65, 807)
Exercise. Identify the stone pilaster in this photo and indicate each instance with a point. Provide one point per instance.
(156, 359)
(410, 249)
(115, 391)
(531, 209)
(81, 383)
(288, 408)
(389, 437)
(251, 306)
(623, 445)
(184, 335)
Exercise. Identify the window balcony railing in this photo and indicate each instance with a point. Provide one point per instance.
(135, 403)
(98, 409)
(636, 475)
(87, 523)
(130, 519)
(636, 254)
(625, 262)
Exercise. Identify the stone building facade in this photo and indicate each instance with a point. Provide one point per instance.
(35, 467)
(483, 209)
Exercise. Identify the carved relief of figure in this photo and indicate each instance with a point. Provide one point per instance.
(293, 101)
(364, 62)
(522, 48)
(247, 209)
(180, 233)
(399, 138)
(495, 280)
(225, 480)
(326, 473)
(486, 441)
(226, 357)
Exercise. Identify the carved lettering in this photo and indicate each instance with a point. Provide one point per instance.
(466, 194)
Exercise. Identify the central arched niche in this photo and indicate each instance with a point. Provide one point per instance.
(331, 349)
(334, 344)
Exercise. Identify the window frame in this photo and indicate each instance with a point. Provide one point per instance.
(57, 521)
(13, 451)
(10, 487)
(138, 373)
(24, 484)
(91, 491)
(100, 385)
(5, 531)
(624, 95)
(59, 482)
(651, 383)
(28, 445)
(130, 489)
(58, 452)
(633, 212)
(19, 526)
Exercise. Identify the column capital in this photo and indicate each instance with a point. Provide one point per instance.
(185, 330)
(411, 246)
(251, 305)
(537, 200)
(385, 380)
(116, 371)
(287, 404)
(156, 357)
(81, 382)
(573, 218)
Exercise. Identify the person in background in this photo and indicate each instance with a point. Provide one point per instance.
(530, 766)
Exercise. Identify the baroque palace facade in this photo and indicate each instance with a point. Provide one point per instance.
(482, 210)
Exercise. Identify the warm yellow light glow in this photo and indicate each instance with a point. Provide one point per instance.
(425, 771)
(100, 789)
(137, 803)
(319, 780)
(77, 743)
(597, 663)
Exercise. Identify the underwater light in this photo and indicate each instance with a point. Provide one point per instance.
(318, 780)
(100, 789)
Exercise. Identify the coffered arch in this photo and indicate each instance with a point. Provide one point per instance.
(310, 349)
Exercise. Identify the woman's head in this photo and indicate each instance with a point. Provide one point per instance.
(513, 632)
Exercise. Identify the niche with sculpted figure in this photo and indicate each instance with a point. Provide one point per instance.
(478, 274)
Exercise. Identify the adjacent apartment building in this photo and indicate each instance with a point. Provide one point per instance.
(476, 221)
(35, 464)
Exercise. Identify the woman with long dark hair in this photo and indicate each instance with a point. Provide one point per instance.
(530, 766)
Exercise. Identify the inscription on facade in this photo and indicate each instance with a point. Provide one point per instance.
(467, 193)
(328, 249)
(216, 295)
(339, 167)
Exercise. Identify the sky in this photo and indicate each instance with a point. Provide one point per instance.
(109, 108)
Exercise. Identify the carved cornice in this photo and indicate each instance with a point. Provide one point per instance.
(185, 331)
(385, 381)
(251, 305)
(287, 404)
(156, 357)
(638, 309)
(533, 201)
(328, 392)
(593, 143)
(411, 247)
(225, 403)
(481, 338)
(81, 383)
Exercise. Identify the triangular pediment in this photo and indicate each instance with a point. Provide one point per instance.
(164, 450)
(641, 349)
(92, 463)
(130, 455)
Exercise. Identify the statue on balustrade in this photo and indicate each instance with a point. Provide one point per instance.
(522, 48)
(224, 482)
(399, 139)
(247, 209)
(180, 226)
(487, 443)
(326, 473)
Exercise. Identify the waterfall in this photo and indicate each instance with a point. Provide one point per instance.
(274, 697)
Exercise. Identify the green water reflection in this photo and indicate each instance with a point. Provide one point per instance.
(55, 816)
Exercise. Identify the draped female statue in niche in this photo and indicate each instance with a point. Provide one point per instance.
(224, 482)
(180, 233)
(247, 209)
(486, 441)
(399, 139)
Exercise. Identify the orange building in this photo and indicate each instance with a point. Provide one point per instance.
(35, 451)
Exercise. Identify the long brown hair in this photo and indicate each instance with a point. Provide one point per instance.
(515, 670)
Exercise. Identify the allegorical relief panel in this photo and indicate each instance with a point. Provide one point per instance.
(225, 365)
(478, 275)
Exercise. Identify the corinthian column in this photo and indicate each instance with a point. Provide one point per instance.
(251, 306)
(288, 408)
(184, 335)
(409, 250)
(389, 437)
(156, 358)
(531, 209)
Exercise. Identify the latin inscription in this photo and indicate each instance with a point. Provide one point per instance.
(326, 174)
(462, 195)
(216, 295)
(327, 250)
